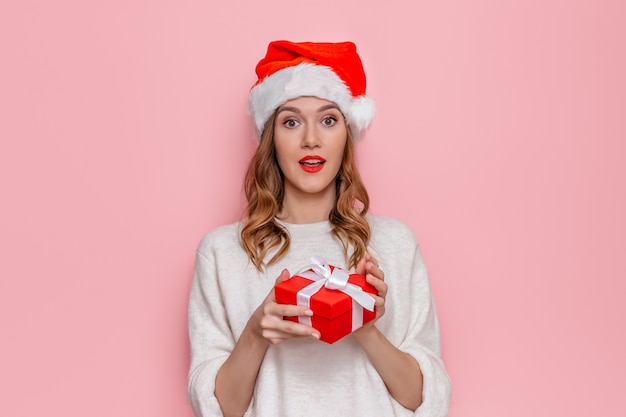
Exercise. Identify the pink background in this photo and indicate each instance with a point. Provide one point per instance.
(500, 138)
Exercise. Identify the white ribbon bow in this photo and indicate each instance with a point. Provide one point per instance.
(320, 273)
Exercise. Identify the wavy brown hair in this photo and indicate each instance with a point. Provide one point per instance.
(264, 190)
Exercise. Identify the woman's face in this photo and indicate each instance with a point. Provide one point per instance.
(309, 136)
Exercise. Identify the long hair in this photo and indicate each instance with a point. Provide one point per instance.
(264, 188)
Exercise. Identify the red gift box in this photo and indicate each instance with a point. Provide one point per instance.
(335, 312)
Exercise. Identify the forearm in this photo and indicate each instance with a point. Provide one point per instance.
(234, 383)
(399, 370)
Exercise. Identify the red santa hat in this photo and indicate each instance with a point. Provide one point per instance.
(330, 71)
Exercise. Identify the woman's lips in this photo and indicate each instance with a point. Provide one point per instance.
(312, 163)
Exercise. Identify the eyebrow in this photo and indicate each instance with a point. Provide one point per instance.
(297, 110)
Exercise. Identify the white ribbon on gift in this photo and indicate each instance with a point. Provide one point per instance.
(320, 273)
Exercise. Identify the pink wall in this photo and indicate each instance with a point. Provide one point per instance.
(500, 138)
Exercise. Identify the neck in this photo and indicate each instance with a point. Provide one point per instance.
(307, 208)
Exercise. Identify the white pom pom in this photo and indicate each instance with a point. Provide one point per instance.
(360, 115)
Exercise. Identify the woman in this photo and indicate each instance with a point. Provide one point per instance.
(305, 198)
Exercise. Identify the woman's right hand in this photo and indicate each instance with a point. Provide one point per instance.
(235, 380)
(267, 322)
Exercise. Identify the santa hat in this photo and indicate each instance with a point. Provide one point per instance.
(330, 71)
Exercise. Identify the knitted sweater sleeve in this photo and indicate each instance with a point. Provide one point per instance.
(422, 342)
(420, 337)
(210, 335)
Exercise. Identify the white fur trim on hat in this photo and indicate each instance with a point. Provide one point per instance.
(309, 80)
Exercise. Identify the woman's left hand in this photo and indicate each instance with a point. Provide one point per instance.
(369, 267)
(400, 372)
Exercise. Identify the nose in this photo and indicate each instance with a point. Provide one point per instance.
(311, 137)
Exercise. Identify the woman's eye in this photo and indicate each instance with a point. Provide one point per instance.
(329, 121)
(290, 123)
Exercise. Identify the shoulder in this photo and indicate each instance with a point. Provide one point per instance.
(223, 237)
(392, 238)
(390, 228)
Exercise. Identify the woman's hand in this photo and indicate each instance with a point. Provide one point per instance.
(235, 380)
(400, 371)
(268, 324)
(368, 266)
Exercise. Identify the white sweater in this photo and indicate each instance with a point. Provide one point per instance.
(306, 377)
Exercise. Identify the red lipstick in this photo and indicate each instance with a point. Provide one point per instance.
(312, 163)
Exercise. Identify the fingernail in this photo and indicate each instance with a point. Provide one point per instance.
(316, 335)
(308, 312)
